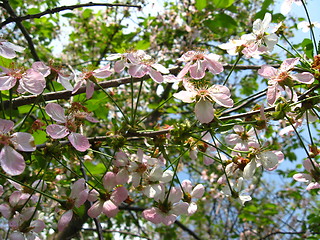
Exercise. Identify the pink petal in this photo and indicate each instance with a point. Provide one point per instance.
(160, 68)
(186, 186)
(109, 181)
(249, 169)
(213, 65)
(198, 191)
(156, 76)
(37, 226)
(33, 82)
(313, 185)
(57, 131)
(137, 70)
(56, 112)
(64, 220)
(184, 70)
(42, 68)
(79, 141)
(197, 70)
(119, 195)
(6, 126)
(152, 215)
(7, 82)
(96, 209)
(23, 141)
(204, 111)
(119, 66)
(5, 210)
(192, 208)
(11, 161)
(89, 89)
(103, 72)
(186, 96)
(267, 71)
(180, 208)
(16, 236)
(304, 77)
(110, 209)
(309, 166)
(65, 82)
(169, 219)
(288, 64)
(273, 93)
(302, 177)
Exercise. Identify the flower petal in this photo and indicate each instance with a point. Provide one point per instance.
(64, 220)
(56, 112)
(79, 141)
(11, 161)
(57, 131)
(204, 111)
(23, 142)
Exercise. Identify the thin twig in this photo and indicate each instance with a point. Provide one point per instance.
(15, 18)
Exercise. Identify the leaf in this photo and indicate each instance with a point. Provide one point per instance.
(69, 15)
(201, 4)
(220, 21)
(33, 10)
(4, 62)
(223, 3)
(143, 45)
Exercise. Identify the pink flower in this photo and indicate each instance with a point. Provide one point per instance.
(242, 139)
(205, 96)
(190, 193)
(11, 161)
(168, 208)
(87, 78)
(142, 64)
(30, 81)
(67, 125)
(198, 63)
(282, 80)
(312, 178)
(78, 196)
(254, 44)
(109, 202)
(8, 50)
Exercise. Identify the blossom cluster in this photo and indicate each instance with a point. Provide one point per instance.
(132, 174)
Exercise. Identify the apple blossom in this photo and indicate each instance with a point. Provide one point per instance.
(237, 191)
(78, 196)
(313, 178)
(168, 208)
(189, 193)
(268, 159)
(68, 125)
(87, 78)
(111, 199)
(30, 80)
(11, 161)
(8, 49)
(139, 64)
(282, 79)
(204, 96)
(242, 139)
(198, 63)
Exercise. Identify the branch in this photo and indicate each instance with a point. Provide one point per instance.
(14, 18)
(24, 31)
(25, 100)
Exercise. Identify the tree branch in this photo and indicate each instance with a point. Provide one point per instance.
(14, 18)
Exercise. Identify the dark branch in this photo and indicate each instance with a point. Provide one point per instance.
(14, 18)
(24, 31)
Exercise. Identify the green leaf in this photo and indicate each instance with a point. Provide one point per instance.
(69, 15)
(201, 4)
(143, 45)
(33, 10)
(220, 22)
(40, 137)
(4, 62)
(223, 3)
